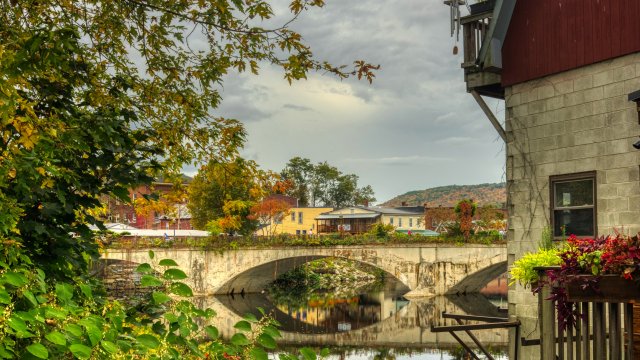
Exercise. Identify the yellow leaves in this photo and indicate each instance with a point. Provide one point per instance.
(98, 211)
(41, 170)
(47, 183)
(12, 174)
(28, 135)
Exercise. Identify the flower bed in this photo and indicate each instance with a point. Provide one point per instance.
(605, 269)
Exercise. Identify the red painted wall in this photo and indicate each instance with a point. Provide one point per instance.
(551, 36)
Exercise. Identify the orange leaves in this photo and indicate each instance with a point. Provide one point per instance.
(269, 209)
(269, 212)
(366, 70)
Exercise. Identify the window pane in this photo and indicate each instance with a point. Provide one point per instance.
(577, 222)
(574, 193)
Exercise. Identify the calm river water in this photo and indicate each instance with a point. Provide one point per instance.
(374, 325)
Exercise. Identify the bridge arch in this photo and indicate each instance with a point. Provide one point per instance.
(473, 283)
(258, 278)
(426, 269)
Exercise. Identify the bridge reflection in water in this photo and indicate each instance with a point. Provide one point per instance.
(380, 319)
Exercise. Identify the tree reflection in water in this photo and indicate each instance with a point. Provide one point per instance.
(375, 325)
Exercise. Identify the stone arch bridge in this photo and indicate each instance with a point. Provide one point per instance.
(426, 269)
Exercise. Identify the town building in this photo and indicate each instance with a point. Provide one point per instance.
(178, 218)
(359, 219)
(569, 74)
(298, 221)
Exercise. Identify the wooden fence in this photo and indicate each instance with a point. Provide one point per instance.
(603, 329)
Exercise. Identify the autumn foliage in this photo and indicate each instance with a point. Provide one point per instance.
(465, 209)
(269, 212)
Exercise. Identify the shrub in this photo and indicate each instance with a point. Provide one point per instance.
(523, 271)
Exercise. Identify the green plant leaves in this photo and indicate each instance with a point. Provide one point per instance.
(17, 324)
(240, 340)
(50, 312)
(267, 341)
(272, 331)
(64, 292)
(144, 268)
(56, 337)
(73, 329)
(109, 347)
(258, 354)
(250, 318)
(150, 280)
(14, 278)
(148, 340)
(212, 331)
(167, 262)
(5, 298)
(38, 350)
(308, 354)
(160, 298)
(181, 289)
(243, 326)
(80, 351)
(174, 274)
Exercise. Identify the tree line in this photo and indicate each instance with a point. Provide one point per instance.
(322, 184)
(223, 195)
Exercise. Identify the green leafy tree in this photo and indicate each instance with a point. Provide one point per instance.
(364, 195)
(299, 171)
(323, 184)
(224, 192)
(97, 97)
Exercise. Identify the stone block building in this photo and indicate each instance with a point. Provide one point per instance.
(567, 71)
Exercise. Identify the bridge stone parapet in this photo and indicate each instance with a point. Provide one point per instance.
(426, 269)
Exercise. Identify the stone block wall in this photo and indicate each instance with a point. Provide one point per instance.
(575, 121)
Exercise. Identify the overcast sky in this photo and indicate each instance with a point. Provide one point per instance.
(415, 127)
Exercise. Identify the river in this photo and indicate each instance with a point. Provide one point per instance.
(380, 324)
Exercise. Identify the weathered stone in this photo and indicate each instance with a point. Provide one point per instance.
(251, 270)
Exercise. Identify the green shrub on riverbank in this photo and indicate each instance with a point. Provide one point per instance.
(323, 281)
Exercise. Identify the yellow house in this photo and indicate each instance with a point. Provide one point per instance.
(358, 219)
(298, 221)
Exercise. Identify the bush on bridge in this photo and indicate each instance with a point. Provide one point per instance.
(231, 243)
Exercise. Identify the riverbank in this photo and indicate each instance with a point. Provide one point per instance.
(324, 282)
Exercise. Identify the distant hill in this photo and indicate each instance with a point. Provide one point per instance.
(483, 194)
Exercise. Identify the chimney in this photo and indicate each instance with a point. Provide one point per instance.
(366, 203)
(404, 203)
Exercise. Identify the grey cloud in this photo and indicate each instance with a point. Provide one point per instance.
(414, 127)
(398, 160)
(297, 107)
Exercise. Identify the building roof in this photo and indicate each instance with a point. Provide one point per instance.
(374, 212)
(346, 216)
(114, 227)
(164, 233)
(394, 211)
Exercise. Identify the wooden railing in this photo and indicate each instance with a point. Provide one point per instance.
(474, 30)
(603, 330)
(357, 228)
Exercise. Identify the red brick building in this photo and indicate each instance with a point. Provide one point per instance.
(121, 212)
